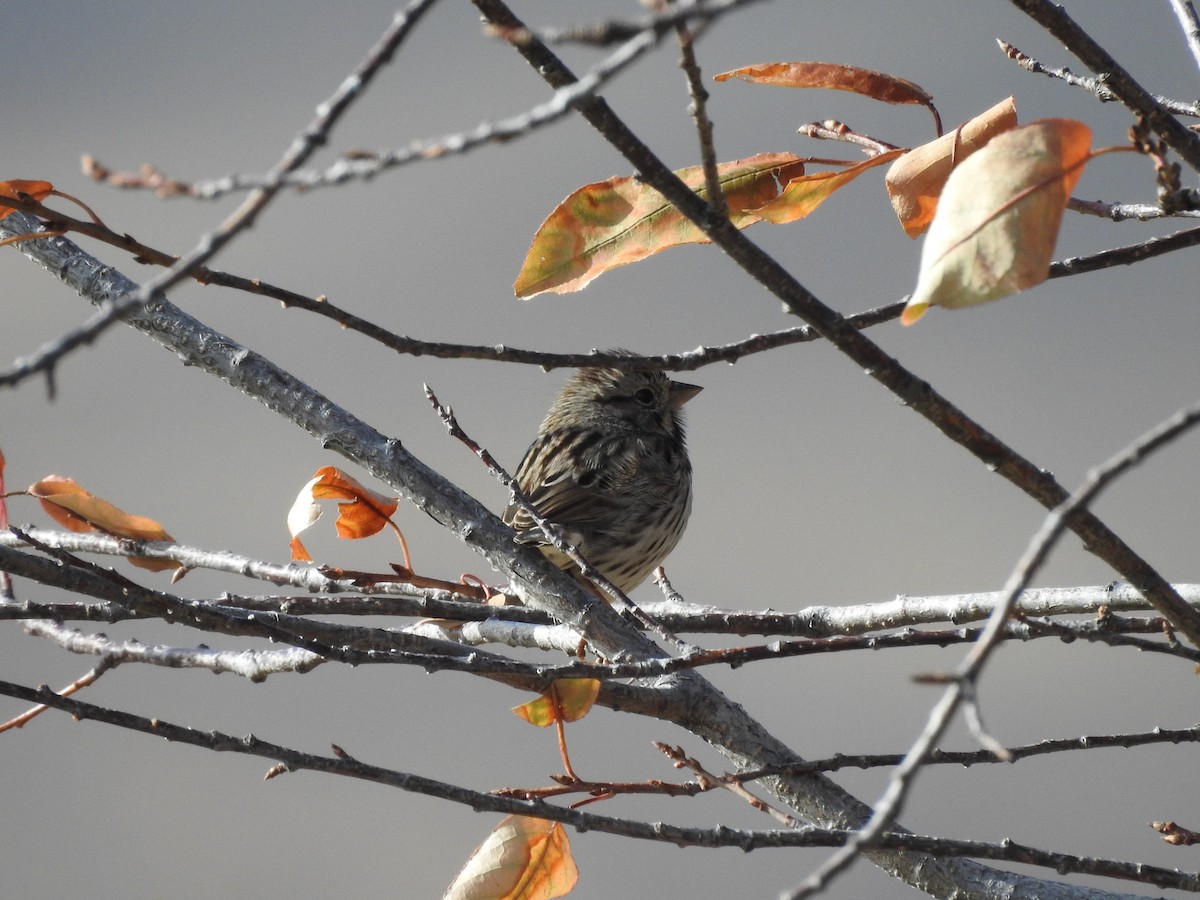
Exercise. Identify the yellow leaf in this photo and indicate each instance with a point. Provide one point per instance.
(568, 698)
(805, 193)
(613, 223)
(915, 181)
(523, 859)
(999, 215)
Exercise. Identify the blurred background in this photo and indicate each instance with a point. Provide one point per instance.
(813, 486)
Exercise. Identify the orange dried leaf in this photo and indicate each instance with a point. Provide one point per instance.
(77, 510)
(570, 698)
(523, 859)
(74, 508)
(14, 188)
(915, 181)
(619, 221)
(361, 513)
(999, 215)
(804, 194)
(299, 551)
(364, 513)
(833, 76)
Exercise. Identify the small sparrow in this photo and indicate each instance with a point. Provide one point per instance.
(610, 468)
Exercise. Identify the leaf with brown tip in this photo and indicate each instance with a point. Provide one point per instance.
(999, 216)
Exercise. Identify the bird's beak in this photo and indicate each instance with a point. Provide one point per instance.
(681, 393)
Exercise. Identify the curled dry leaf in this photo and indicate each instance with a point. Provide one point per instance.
(570, 698)
(622, 220)
(523, 859)
(999, 215)
(361, 513)
(77, 510)
(915, 181)
(838, 77)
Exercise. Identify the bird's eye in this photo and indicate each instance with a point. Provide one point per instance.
(644, 396)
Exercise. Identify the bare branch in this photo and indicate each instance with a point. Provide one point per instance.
(1114, 77)
(1190, 24)
(343, 764)
(1093, 85)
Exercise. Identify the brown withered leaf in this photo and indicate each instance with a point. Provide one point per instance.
(77, 510)
(838, 77)
(915, 181)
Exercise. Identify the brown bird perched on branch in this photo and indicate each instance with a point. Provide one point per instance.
(610, 468)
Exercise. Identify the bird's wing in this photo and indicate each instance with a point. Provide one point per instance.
(571, 495)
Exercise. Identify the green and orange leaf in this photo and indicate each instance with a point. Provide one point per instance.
(622, 220)
(566, 700)
(915, 181)
(523, 859)
(998, 218)
(77, 510)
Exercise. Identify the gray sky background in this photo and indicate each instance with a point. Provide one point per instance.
(813, 486)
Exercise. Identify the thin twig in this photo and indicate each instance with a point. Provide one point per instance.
(732, 784)
(364, 165)
(964, 758)
(704, 126)
(344, 765)
(1095, 86)
(1115, 78)
(831, 130)
(1190, 24)
(89, 677)
(614, 31)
